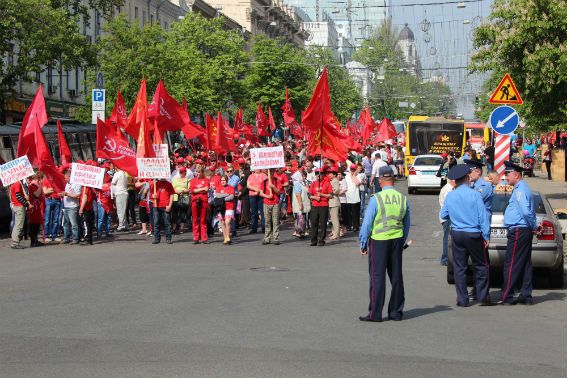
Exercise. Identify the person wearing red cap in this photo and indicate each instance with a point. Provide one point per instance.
(34, 213)
(271, 197)
(320, 192)
(86, 211)
(162, 193)
(199, 189)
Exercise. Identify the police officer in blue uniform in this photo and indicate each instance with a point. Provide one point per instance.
(382, 236)
(486, 192)
(470, 235)
(521, 222)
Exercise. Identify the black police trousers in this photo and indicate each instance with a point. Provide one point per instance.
(465, 244)
(518, 264)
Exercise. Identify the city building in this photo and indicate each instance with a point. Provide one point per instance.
(362, 77)
(406, 42)
(272, 18)
(323, 33)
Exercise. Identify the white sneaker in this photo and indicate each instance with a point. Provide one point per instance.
(141, 232)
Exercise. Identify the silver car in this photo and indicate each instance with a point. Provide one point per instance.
(547, 249)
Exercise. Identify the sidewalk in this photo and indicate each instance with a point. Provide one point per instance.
(556, 192)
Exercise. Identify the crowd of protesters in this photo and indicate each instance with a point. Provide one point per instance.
(206, 194)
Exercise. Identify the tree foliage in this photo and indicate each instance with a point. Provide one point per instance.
(528, 39)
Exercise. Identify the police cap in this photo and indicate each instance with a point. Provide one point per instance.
(385, 171)
(473, 163)
(511, 167)
(458, 172)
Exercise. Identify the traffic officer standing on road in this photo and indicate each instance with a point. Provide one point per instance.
(382, 236)
(470, 235)
(485, 189)
(521, 222)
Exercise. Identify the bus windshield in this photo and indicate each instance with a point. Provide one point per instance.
(435, 137)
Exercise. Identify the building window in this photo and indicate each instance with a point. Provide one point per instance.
(135, 13)
(143, 17)
(165, 26)
(151, 19)
(410, 50)
(77, 79)
(38, 77)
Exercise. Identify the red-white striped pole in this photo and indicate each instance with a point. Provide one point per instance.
(501, 152)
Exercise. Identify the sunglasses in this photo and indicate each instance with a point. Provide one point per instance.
(229, 170)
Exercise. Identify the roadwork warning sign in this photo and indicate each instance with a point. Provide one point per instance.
(506, 93)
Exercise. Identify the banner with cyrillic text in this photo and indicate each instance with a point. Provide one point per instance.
(153, 168)
(15, 170)
(87, 175)
(267, 157)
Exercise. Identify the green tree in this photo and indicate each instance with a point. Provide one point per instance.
(275, 65)
(345, 96)
(528, 39)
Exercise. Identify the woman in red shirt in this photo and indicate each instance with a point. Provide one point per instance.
(199, 189)
(35, 212)
(320, 191)
(224, 195)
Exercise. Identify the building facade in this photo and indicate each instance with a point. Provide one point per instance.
(362, 77)
(406, 42)
(323, 33)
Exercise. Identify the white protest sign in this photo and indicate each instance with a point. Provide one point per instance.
(153, 168)
(15, 170)
(267, 157)
(87, 175)
(161, 150)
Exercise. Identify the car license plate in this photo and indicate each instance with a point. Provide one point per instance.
(499, 233)
(428, 172)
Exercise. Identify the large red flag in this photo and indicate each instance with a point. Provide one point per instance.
(212, 132)
(324, 130)
(64, 150)
(239, 121)
(262, 123)
(191, 129)
(36, 110)
(139, 112)
(112, 146)
(42, 158)
(367, 125)
(271, 120)
(145, 148)
(289, 118)
(386, 130)
(118, 115)
(165, 110)
(225, 136)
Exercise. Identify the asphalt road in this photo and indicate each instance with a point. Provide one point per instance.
(132, 309)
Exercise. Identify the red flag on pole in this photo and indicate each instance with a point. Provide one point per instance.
(225, 136)
(190, 129)
(112, 146)
(145, 148)
(367, 125)
(324, 130)
(41, 157)
(139, 112)
(37, 109)
(271, 120)
(386, 130)
(64, 150)
(118, 115)
(261, 122)
(165, 110)
(212, 132)
(239, 121)
(289, 118)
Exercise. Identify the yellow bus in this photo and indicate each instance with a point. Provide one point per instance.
(433, 135)
(477, 135)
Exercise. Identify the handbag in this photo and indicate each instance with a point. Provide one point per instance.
(219, 205)
(183, 199)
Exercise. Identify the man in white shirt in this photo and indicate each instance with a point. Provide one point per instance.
(120, 184)
(378, 163)
(449, 186)
(71, 197)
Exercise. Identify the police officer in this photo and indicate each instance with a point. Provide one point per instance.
(382, 236)
(485, 189)
(521, 222)
(470, 235)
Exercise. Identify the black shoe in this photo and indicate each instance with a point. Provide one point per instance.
(74, 242)
(277, 242)
(233, 234)
(313, 244)
(368, 319)
(508, 303)
(525, 301)
(169, 241)
(396, 319)
(487, 302)
(264, 242)
(206, 242)
(463, 304)
(253, 232)
(17, 246)
(195, 242)
(321, 243)
(155, 242)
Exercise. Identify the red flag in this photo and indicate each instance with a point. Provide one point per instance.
(158, 136)
(64, 150)
(261, 122)
(118, 115)
(239, 121)
(386, 130)
(212, 132)
(36, 110)
(367, 125)
(324, 130)
(139, 112)
(112, 146)
(145, 148)
(271, 120)
(191, 129)
(43, 159)
(288, 113)
(165, 110)
(225, 136)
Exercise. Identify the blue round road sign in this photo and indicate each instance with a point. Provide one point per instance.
(504, 119)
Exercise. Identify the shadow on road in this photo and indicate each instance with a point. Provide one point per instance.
(551, 296)
(417, 312)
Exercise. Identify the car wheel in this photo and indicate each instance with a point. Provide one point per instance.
(450, 275)
(556, 277)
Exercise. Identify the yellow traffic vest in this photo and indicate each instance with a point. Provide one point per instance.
(389, 220)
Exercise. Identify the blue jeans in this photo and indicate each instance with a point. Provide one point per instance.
(489, 167)
(71, 224)
(446, 229)
(257, 204)
(377, 187)
(51, 223)
(160, 214)
(103, 223)
(362, 202)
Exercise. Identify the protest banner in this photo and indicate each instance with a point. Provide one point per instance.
(161, 150)
(153, 168)
(267, 157)
(15, 170)
(87, 175)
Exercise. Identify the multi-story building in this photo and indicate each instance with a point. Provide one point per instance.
(362, 77)
(406, 42)
(323, 33)
(269, 17)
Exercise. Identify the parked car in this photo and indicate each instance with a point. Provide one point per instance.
(423, 173)
(547, 248)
